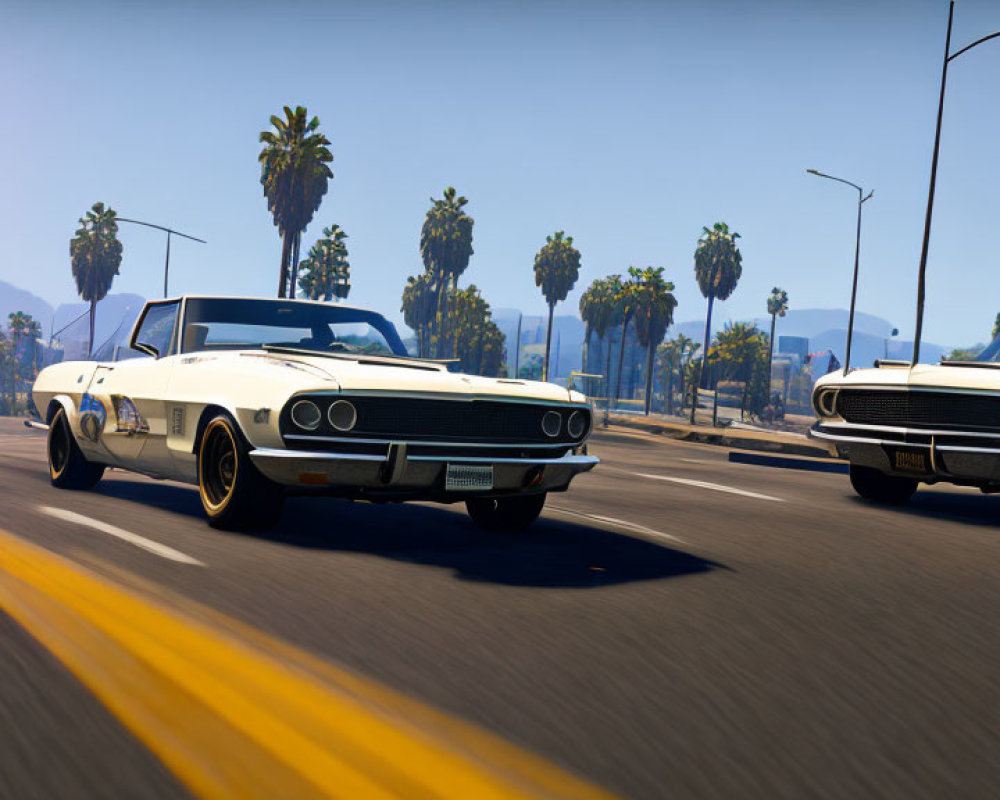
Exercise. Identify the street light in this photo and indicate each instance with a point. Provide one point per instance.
(166, 265)
(885, 353)
(862, 197)
(922, 272)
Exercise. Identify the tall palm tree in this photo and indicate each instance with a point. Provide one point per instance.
(777, 306)
(445, 247)
(95, 254)
(653, 305)
(741, 350)
(295, 176)
(597, 310)
(326, 272)
(418, 309)
(625, 300)
(674, 355)
(718, 265)
(557, 266)
(479, 343)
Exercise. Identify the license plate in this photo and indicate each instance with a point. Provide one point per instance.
(468, 478)
(914, 461)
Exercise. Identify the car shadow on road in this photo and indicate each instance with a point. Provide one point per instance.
(553, 553)
(972, 509)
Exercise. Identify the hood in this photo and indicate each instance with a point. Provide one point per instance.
(411, 376)
(930, 376)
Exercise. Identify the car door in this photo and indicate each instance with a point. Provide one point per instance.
(134, 393)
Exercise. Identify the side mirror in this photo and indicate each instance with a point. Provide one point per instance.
(148, 349)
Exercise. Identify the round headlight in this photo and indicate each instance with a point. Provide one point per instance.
(577, 425)
(826, 402)
(342, 415)
(306, 415)
(551, 423)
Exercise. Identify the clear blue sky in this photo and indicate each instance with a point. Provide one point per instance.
(628, 124)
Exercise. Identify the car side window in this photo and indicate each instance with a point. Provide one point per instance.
(158, 327)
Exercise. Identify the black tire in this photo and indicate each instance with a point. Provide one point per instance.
(233, 492)
(68, 469)
(878, 487)
(506, 514)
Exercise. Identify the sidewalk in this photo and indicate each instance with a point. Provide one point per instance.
(740, 438)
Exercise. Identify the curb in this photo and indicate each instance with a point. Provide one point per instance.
(806, 464)
(723, 437)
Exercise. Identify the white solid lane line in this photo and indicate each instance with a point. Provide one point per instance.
(716, 487)
(621, 523)
(120, 533)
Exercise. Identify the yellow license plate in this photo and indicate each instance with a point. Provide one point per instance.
(910, 461)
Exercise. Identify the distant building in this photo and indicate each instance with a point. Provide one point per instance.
(797, 346)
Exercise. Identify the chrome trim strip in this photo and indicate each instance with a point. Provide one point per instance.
(566, 461)
(860, 440)
(586, 462)
(917, 431)
(307, 455)
(354, 440)
(958, 449)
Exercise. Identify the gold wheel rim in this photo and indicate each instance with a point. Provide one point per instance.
(218, 466)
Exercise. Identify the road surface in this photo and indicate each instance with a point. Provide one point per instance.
(676, 626)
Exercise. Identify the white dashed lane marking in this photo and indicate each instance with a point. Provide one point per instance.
(149, 545)
(621, 523)
(715, 487)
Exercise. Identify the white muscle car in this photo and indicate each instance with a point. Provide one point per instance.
(900, 426)
(251, 398)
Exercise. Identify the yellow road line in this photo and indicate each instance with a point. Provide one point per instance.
(235, 713)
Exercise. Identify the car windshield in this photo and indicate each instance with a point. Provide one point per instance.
(239, 324)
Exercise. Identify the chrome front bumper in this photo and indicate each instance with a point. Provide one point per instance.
(952, 455)
(400, 473)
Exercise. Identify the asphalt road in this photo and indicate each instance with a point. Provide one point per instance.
(676, 626)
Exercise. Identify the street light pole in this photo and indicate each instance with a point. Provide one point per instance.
(862, 197)
(922, 271)
(170, 232)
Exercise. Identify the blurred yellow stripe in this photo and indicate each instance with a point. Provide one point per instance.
(234, 713)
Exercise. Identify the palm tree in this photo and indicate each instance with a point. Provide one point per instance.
(653, 306)
(295, 176)
(557, 266)
(418, 309)
(996, 327)
(95, 254)
(625, 299)
(675, 355)
(445, 247)
(597, 312)
(718, 265)
(326, 271)
(777, 306)
(602, 311)
(741, 349)
(479, 343)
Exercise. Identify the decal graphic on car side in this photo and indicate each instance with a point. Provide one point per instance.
(127, 418)
(93, 415)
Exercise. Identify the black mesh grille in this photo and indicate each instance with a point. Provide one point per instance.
(405, 419)
(920, 409)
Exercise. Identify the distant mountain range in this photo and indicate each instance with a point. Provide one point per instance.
(826, 328)
(68, 321)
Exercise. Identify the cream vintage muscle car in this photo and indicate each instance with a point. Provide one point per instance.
(251, 398)
(900, 425)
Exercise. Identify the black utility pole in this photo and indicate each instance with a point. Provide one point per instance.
(922, 272)
(862, 197)
(170, 232)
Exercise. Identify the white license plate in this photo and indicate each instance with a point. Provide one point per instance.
(468, 478)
